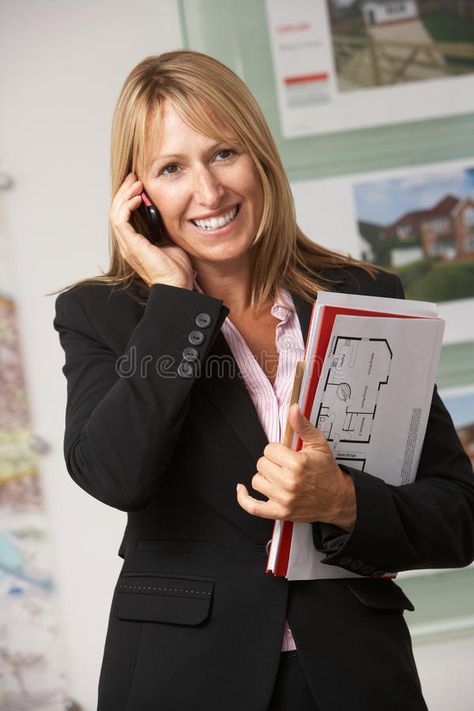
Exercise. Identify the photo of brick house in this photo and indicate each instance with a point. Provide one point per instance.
(446, 230)
(422, 227)
(463, 220)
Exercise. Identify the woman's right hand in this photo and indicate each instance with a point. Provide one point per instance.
(166, 264)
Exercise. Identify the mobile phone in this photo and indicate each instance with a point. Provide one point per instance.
(152, 218)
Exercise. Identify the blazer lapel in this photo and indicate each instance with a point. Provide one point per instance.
(304, 310)
(229, 394)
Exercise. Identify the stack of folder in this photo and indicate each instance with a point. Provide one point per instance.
(366, 382)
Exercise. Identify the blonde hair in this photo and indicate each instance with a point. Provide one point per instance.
(207, 95)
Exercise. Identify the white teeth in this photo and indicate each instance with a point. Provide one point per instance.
(215, 222)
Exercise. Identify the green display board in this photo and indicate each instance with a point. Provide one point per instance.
(236, 33)
(444, 604)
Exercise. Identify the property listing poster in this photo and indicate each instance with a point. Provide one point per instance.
(31, 676)
(419, 223)
(345, 64)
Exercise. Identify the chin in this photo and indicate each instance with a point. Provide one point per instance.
(223, 256)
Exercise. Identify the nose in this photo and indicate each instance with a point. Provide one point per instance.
(208, 189)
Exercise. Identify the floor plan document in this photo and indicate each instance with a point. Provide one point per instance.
(370, 395)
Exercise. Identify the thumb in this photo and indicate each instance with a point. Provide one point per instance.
(303, 427)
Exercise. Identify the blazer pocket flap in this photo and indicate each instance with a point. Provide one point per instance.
(153, 598)
(381, 594)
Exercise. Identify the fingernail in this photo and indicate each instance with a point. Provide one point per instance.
(238, 487)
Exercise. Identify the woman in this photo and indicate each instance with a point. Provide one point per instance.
(179, 364)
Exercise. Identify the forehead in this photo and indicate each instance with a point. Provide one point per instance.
(169, 124)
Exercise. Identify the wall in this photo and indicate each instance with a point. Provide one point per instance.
(61, 67)
(445, 668)
(62, 63)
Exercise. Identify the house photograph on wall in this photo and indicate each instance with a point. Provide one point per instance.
(386, 42)
(422, 227)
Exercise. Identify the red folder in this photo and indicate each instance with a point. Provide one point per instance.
(323, 338)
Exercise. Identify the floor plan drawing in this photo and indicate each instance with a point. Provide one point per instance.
(358, 370)
(369, 388)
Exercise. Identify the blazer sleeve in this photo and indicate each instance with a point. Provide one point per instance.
(124, 413)
(426, 524)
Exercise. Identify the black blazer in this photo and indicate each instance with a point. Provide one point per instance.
(196, 623)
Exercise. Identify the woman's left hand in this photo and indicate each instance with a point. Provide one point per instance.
(304, 486)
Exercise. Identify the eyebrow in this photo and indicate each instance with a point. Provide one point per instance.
(168, 156)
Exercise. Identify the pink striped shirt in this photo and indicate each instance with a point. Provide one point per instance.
(271, 402)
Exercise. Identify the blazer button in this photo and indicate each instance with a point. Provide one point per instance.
(357, 564)
(203, 320)
(191, 354)
(185, 370)
(196, 338)
(367, 570)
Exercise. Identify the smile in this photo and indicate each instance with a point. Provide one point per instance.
(215, 223)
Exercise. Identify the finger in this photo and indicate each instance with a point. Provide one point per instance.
(120, 214)
(310, 435)
(136, 187)
(281, 487)
(126, 191)
(263, 486)
(127, 238)
(130, 186)
(127, 184)
(268, 468)
(133, 192)
(263, 509)
(139, 253)
(280, 454)
(125, 202)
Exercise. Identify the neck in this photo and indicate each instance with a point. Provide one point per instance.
(231, 283)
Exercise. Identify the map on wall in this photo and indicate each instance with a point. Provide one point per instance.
(30, 669)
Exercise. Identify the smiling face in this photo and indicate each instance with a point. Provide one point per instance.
(208, 192)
